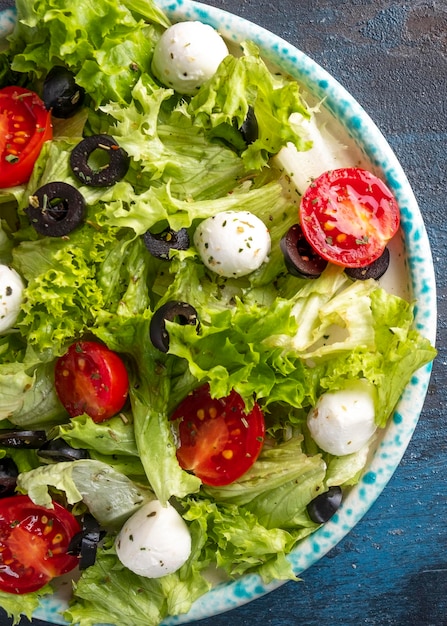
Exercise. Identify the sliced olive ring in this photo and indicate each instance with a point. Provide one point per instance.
(375, 270)
(161, 244)
(60, 93)
(56, 209)
(59, 451)
(172, 311)
(8, 477)
(85, 543)
(250, 127)
(300, 258)
(105, 175)
(324, 506)
(16, 438)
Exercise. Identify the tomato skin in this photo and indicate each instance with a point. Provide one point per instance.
(219, 442)
(348, 216)
(33, 544)
(91, 379)
(25, 125)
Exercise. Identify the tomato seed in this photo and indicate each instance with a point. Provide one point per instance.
(213, 412)
(201, 414)
(227, 454)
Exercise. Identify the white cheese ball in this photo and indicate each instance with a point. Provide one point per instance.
(187, 55)
(11, 297)
(154, 542)
(342, 422)
(233, 243)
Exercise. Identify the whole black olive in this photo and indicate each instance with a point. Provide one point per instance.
(55, 209)
(173, 311)
(300, 258)
(100, 174)
(58, 450)
(61, 95)
(375, 270)
(85, 543)
(249, 127)
(8, 477)
(16, 438)
(323, 507)
(161, 244)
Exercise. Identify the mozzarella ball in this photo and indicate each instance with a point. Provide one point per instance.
(342, 422)
(11, 297)
(187, 55)
(154, 542)
(233, 243)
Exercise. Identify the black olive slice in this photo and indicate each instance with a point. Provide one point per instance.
(8, 477)
(85, 543)
(300, 258)
(250, 128)
(161, 244)
(323, 507)
(172, 311)
(103, 174)
(16, 438)
(375, 270)
(61, 95)
(58, 450)
(56, 209)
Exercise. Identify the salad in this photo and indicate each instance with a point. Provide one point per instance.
(196, 356)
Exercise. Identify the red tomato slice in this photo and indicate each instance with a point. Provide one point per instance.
(219, 442)
(348, 216)
(25, 125)
(91, 379)
(33, 544)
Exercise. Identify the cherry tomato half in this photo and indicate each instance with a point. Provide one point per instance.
(348, 216)
(25, 125)
(219, 442)
(91, 379)
(33, 544)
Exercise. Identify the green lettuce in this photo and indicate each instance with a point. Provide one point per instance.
(238, 543)
(245, 82)
(29, 602)
(28, 395)
(106, 44)
(110, 496)
(130, 600)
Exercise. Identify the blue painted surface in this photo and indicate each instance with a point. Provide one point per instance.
(392, 568)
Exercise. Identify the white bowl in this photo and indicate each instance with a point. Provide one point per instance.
(413, 274)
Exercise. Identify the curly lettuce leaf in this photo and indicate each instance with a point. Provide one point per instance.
(107, 45)
(238, 543)
(244, 82)
(29, 602)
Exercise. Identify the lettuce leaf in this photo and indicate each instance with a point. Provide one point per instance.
(29, 602)
(239, 543)
(132, 600)
(110, 496)
(107, 45)
(244, 82)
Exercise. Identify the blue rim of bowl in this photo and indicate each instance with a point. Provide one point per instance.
(391, 448)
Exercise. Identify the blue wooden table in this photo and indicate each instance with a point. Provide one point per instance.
(391, 570)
